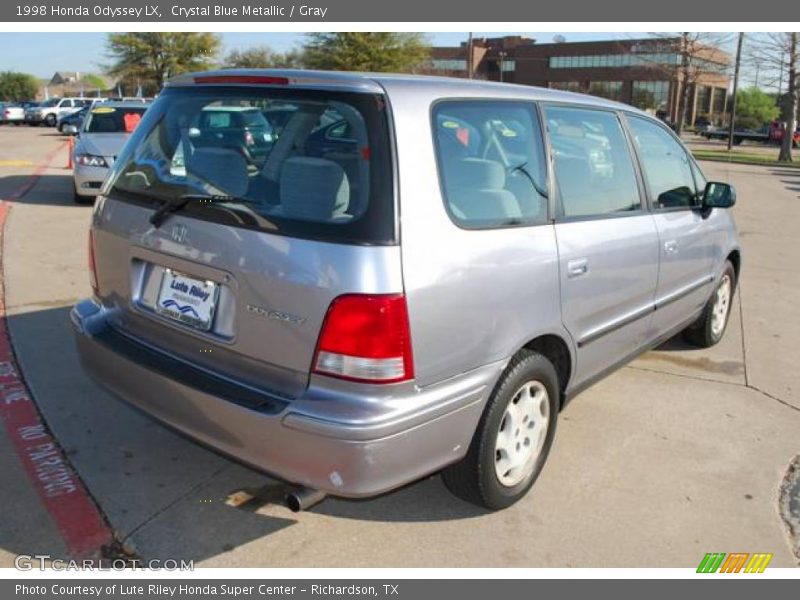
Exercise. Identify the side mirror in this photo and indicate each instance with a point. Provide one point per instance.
(719, 195)
(70, 129)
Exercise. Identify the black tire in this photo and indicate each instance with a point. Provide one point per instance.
(473, 478)
(50, 120)
(700, 333)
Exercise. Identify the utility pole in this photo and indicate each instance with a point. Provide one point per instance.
(735, 88)
(470, 65)
(502, 64)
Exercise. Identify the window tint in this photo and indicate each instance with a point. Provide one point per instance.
(491, 163)
(218, 142)
(667, 167)
(593, 167)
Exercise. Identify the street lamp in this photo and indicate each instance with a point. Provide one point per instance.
(502, 54)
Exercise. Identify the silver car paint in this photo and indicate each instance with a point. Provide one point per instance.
(474, 298)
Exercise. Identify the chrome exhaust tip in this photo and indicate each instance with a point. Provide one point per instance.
(303, 498)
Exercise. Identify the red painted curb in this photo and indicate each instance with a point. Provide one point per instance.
(62, 493)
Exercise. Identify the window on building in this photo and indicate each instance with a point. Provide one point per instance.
(718, 106)
(606, 89)
(593, 167)
(449, 64)
(703, 99)
(650, 95)
(508, 66)
(613, 60)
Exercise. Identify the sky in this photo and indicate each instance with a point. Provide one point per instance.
(42, 54)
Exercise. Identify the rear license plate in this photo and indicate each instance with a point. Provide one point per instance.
(188, 300)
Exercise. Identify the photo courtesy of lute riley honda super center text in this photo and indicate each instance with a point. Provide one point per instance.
(155, 10)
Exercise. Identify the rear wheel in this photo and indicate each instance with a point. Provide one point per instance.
(709, 328)
(513, 438)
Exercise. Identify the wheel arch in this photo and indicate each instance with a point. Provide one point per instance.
(557, 351)
(735, 256)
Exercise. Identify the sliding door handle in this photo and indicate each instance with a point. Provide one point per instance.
(579, 266)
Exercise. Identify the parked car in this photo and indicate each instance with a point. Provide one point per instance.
(49, 111)
(14, 112)
(70, 124)
(775, 132)
(104, 131)
(703, 123)
(275, 312)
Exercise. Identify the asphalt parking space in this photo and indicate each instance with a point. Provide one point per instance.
(679, 454)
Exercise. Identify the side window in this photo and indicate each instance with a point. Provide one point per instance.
(593, 166)
(491, 163)
(667, 167)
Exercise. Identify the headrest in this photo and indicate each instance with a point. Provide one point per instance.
(475, 173)
(313, 189)
(223, 168)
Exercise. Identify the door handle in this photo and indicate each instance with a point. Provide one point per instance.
(671, 246)
(579, 266)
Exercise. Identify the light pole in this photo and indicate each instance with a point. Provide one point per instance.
(735, 88)
(470, 66)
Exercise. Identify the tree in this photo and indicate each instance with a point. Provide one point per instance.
(362, 51)
(780, 52)
(261, 57)
(152, 57)
(754, 108)
(94, 81)
(17, 86)
(697, 53)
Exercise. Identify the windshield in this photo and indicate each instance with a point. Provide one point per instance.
(51, 102)
(110, 119)
(302, 179)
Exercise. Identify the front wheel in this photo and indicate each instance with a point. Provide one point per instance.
(513, 438)
(50, 120)
(709, 328)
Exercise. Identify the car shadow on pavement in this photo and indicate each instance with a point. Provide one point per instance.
(161, 493)
(55, 190)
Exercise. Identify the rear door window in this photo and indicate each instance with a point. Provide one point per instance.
(490, 156)
(593, 166)
(218, 142)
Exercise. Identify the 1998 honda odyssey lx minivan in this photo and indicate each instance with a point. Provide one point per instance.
(413, 274)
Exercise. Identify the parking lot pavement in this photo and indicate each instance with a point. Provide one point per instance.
(679, 454)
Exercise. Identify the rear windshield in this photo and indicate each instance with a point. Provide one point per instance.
(109, 119)
(306, 163)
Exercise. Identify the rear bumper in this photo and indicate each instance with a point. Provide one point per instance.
(328, 440)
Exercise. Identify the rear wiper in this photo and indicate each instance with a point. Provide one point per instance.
(161, 213)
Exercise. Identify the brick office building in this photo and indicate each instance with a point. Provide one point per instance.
(645, 73)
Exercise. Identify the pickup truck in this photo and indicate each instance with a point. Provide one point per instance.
(768, 134)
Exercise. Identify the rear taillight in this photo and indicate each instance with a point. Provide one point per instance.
(366, 338)
(92, 265)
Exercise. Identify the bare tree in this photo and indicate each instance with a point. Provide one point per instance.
(780, 53)
(698, 53)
